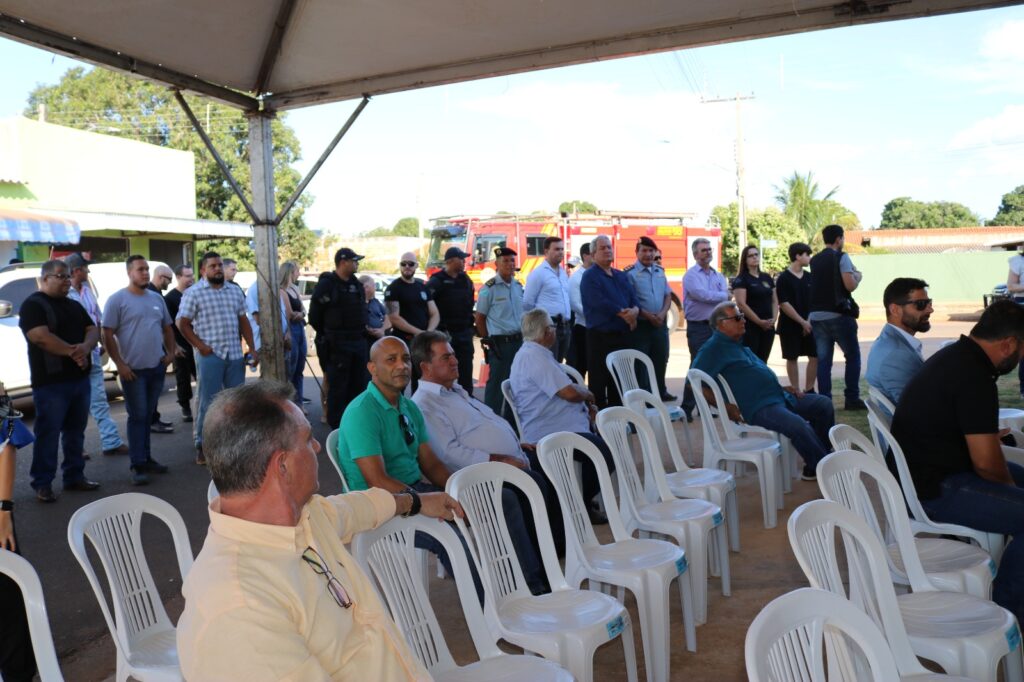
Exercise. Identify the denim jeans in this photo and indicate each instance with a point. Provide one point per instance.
(806, 424)
(969, 500)
(697, 334)
(297, 358)
(62, 413)
(427, 542)
(214, 375)
(140, 397)
(99, 408)
(840, 330)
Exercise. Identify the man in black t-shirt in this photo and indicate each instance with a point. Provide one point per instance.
(410, 306)
(453, 294)
(60, 337)
(947, 423)
(184, 358)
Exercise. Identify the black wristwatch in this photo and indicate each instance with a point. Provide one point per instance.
(415, 508)
(8, 505)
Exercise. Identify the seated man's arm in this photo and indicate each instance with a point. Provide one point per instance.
(432, 467)
(987, 457)
(376, 476)
(732, 411)
(574, 393)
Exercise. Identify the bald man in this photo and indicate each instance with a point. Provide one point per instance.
(410, 305)
(160, 279)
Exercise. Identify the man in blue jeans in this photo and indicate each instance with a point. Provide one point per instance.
(805, 418)
(212, 319)
(61, 337)
(947, 424)
(833, 315)
(137, 334)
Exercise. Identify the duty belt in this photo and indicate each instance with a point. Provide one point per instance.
(507, 338)
(560, 319)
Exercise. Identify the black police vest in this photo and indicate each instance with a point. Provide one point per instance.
(346, 310)
(827, 290)
(454, 299)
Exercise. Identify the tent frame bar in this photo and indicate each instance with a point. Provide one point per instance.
(284, 15)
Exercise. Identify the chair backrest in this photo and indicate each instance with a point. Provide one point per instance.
(555, 453)
(332, 455)
(573, 374)
(841, 478)
(698, 382)
(389, 554)
(645, 403)
(846, 437)
(881, 400)
(732, 430)
(25, 577)
(211, 493)
(812, 532)
(113, 525)
(506, 391)
(478, 488)
(622, 366)
(882, 417)
(917, 512)
(786, 641)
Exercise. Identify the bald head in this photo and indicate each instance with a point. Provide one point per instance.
(162, 277)
(407, 266)
(390, 365)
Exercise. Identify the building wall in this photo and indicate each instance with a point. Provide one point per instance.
(952, 277)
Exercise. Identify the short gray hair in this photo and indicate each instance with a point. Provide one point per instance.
(595, 240)
(244, 427)
(535, 324)
(721, 312)
(697, 242)
(422, 349)
(50, 267)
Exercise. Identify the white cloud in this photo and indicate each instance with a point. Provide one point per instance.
(1005, 128)
(1004, 42)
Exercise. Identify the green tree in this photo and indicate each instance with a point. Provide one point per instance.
(728, 217)
(407, 227)
(1011, 211)
(576, 206)
(769, 223)
(798, 198)
(117, 104)
(904, 213)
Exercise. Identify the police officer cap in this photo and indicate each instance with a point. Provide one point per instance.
(346, 254)
(646, 241)
(455, 252)
(504, 251)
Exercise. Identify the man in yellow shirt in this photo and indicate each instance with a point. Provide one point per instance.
(274, 594)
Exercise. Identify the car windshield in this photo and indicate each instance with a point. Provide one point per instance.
(443, 238)
(17, 291)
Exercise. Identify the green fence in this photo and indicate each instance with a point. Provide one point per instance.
(952, 277)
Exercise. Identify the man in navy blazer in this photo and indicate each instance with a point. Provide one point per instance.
(896, 355)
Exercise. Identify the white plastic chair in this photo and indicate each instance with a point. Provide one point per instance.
(846, 437)
(388, 554)
(573, 374)
(785, 641)
(881, 400)
(211, 493)
(882, 410)
(621, 365)
(713, 485)
(693, 524)
(645, 567)
(764, 453)
(25, 577)
(947, 564)
(964, 634)
(992, 543)
(506, 392)
(1011, 418)
(566, 625)
(332, 449)
(143, 634)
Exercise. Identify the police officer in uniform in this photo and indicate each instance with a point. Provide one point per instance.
(337, 311)
(452, 291)
(654, 298)
(499, 311)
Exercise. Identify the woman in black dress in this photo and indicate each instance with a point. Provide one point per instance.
(754, 292)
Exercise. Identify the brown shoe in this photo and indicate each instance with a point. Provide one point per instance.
(200, 457)
(121, 449)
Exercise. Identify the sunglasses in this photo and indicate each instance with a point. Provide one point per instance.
(921, 304)
(737, 316)
(334, 586)
(408, 263)
(403, 422)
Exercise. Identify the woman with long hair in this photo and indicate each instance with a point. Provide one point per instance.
(288, 275)
(754, 292)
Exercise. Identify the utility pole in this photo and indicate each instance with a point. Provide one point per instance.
(741, 186)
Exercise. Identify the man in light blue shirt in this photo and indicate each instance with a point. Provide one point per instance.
(577, 356)
(654, 298)
(499, 308)
(703, 289)
(895, 355)
(547, 288)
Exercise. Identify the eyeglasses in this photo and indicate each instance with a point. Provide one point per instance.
(61, 275)
(334, 586)
(737, 316)
(403, 422)
(408, 263)
(921, 304)
(705, 250)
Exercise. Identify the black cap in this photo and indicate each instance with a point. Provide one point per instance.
(346, 254)
(646, 241)
(455, 252)
(504, 251)
(76, 260)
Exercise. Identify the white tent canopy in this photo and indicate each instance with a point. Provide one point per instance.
(291, 53)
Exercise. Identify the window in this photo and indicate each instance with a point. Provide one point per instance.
(535, 244)
(171, 252)
(483, 248)
(17, 291)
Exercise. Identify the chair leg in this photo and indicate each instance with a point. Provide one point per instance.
(652, 605)
(1013, 666)
(686, 603)
(628, 650)
(723, 558)
(732, 517)
(696, 549)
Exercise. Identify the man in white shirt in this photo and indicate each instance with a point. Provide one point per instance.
(547, 288)
(896, 355)
(464, 431)
(578, 347)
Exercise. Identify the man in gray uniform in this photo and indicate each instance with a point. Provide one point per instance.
(653, 295)
(499, 311)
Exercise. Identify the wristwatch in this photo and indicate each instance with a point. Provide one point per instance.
(415, 508)
(8, 505)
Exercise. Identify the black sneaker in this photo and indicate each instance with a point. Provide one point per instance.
(161, 427)
(154, 467)
(667, 397)
(855, 405)
(186, 414)
(46, 494)
(139, 477)
(809, 474)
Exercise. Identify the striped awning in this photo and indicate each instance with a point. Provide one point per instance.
(23, 226)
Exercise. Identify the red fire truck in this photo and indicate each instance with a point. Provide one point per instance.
(481, 235)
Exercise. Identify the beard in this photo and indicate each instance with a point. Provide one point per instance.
(921, 324)
(1007, 365)
(216, 279)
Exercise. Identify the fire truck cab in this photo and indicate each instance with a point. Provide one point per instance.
(481, 235)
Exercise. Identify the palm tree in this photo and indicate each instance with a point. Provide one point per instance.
(798, 198)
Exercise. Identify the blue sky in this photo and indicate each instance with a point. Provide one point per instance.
(929, 108)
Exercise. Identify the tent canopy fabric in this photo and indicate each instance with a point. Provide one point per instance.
(280, 54)
(22, 226)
